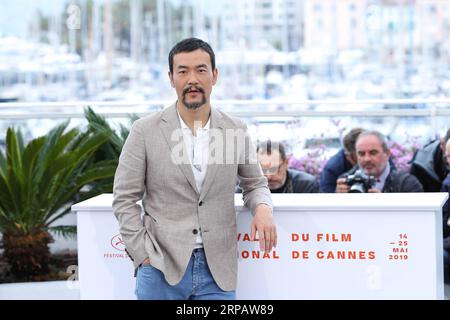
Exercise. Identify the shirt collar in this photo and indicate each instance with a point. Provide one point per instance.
(382, 178)
(183, 124)
(385, 173)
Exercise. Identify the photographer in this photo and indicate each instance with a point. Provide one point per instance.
(429, 164)
(341, 162)
(373, 160)
(280, 178)
(446, 215)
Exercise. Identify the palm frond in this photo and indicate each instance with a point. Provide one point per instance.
(2, 162)
(64, 231)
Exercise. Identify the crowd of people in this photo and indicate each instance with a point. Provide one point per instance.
(364, 164)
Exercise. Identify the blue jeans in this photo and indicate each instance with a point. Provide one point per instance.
(196, 284)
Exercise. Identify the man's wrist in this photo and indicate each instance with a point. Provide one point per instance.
(264, 204)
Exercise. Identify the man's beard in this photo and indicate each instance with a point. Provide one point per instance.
(193, 105)
(276, 185)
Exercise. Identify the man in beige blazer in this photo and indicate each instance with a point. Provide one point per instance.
(183, 163)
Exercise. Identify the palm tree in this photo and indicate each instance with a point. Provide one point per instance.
(110, 150)
(98, 124)
(38, 184)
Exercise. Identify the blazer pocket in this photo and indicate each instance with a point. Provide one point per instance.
(151, 217)
(149, 222)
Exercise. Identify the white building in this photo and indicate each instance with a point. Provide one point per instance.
(278, 23)
(335, 24)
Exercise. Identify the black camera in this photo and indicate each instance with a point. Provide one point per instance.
(359, 182)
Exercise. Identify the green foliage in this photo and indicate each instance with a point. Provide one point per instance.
(40, 181)
(110, 150)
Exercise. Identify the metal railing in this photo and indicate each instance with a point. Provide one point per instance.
(279, 108)
(26, 110)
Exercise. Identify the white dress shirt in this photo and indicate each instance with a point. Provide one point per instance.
(198, 148)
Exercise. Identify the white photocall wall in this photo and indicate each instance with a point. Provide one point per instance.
(330, 246)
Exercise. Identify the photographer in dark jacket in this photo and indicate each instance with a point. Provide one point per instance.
(446, 217)
(340, 163)
(274, 164)
(429, 166)
(372, 155)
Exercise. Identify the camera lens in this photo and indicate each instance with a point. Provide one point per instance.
(357, 188)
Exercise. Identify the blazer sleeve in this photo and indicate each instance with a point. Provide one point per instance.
(129, 187)
(251, 179)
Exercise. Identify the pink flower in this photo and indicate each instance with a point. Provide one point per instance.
(315, 159)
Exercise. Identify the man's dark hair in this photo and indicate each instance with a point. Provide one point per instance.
(189, 45)
(266, 147)
(350, 138)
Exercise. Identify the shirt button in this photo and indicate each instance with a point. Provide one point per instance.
(194, 231)
(200, 203)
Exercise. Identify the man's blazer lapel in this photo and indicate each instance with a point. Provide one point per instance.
(216, 124)
(170, 125)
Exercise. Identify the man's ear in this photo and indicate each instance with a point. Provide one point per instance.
(442, 145)
(215, 76)
(171, 79)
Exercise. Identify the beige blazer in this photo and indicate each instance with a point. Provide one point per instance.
(150, 170)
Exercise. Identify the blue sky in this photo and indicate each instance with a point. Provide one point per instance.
(16, 15)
